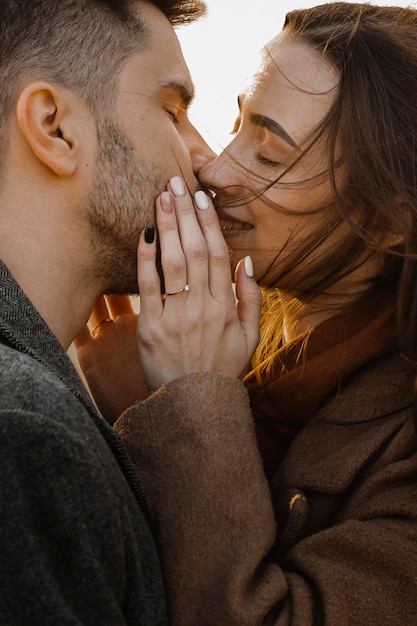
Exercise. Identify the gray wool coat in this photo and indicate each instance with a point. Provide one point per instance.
(332, 541)
(76, 547)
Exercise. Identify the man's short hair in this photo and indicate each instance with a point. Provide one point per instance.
(80, 44)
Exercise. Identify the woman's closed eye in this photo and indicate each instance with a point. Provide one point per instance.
(265, 161)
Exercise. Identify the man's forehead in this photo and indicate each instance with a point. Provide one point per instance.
(162, 61)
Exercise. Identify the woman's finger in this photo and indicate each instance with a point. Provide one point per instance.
(173, 261)
(220, 276)
(192, 240)
(119, 305)
(99, 314)
(149, 283)
(83, 338)
(249, 299)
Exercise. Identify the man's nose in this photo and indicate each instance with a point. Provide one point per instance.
(201, 153)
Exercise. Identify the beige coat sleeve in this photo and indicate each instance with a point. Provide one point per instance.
(193, 446)
(348, 548)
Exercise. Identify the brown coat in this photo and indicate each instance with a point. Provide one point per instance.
(336, 544)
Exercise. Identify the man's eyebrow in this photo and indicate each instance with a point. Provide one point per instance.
(273, 127)
(185, 93)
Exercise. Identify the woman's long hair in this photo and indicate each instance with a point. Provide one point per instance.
(371, 132)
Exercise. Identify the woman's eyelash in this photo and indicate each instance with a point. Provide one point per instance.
(265, 161)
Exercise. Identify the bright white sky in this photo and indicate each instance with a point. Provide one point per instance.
(221, 51)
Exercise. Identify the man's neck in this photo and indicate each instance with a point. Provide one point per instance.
(49, 267)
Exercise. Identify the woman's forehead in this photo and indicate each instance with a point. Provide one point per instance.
(289, 59)
(294, 87)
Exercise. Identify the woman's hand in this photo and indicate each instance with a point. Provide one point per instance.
(197, 330)
(109, 359)
(197, 325)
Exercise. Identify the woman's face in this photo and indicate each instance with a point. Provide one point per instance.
(289, 96)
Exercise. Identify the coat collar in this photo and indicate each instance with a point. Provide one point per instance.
(22, 327)
(312, 368)
(372, 412)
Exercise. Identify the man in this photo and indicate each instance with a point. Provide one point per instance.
(92, 91)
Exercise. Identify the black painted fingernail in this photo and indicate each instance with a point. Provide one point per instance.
(149, 234)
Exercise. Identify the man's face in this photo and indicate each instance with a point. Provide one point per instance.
(147, 141)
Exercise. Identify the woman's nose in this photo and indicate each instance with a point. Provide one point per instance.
(219, 172)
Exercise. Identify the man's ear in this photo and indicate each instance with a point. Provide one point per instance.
(46, 117)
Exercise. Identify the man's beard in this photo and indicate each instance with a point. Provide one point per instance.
(121, 205)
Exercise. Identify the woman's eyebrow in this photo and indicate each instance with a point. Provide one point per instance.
(273, 127)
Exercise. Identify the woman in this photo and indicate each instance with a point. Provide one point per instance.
(319, 186)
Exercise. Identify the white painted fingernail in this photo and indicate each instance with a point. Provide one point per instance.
(248, 266)
(201, 200)
(177, 186)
